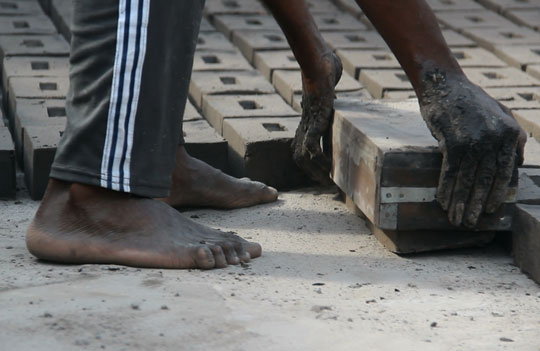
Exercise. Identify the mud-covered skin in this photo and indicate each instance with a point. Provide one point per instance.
(317, 106)
(480, 141)
(197, 184)
(82, 224)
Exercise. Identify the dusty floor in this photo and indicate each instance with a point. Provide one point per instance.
(323, 283)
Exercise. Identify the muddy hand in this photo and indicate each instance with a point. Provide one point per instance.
(317, 102)
(481, 144)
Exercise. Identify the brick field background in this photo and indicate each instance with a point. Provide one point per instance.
(245, 75)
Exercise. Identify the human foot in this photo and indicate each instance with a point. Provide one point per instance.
(85, 224)
(317, 105)
(196, 184)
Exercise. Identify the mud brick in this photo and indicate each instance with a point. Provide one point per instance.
(238, 83)
(36, 88)
(36, 113)
(400, 95)
(214, 41)
(33, 45)
(26, 25)
(28, 66)
(476, 58)
(228, 24)
(220, 61)
(473, 19)
(454, 5)
(454, 39)
(529, 18)
(517, 98)
(19, 8)
(504, 5)
(529, 120)
(500, 77)
(519, 56)
(338, 21)
(362, 95)
(233, 7)
(206, 26)
(7, 164)
(526, 240)
(387, 161)
(372, 40)
(378, 82)
(350, 6)
(203, 142)
(356, 60)
(529, 189)
(534, 70)
(250, 42)
(489, 38)
(269, 61)
(39, 148)
(217, 108)
(62, 16)
(289, 83)
(354, 40)
(260, 148)
(191, 113)
(318, 6)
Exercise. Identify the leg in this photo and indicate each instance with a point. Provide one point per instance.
(321, 70)
(131, 63)
(479, 139)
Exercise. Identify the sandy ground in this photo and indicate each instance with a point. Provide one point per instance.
(323, 283)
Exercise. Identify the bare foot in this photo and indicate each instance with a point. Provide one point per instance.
(196, 184)
(85, 224)
(317, 105)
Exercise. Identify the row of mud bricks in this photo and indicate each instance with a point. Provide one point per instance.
(245, 93)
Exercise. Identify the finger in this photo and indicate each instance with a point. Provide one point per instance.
(314, 170)
(462, 189)
(447, 179)
(219, 256)
(482, 185)
(505, 168)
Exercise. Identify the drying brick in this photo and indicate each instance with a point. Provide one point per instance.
(39, 149)
(260, 148)
(239, 83)
(217, 108)
(205, 144)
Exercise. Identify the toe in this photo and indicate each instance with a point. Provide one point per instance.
(270, 194)
(230, 253)
(254, 249)
(241, 252)
(219, 256)
(204, 258)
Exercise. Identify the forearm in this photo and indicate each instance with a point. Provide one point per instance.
(302, 34)
(413, 34)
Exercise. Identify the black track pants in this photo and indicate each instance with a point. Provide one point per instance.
(131, 63)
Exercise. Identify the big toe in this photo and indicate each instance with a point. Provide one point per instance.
(254, 249)
(268, 194)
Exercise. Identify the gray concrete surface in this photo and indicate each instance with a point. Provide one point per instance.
(323, 283)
